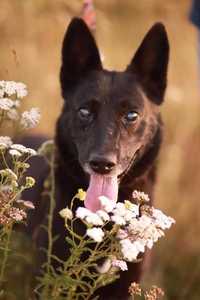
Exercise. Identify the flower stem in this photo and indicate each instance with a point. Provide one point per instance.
(51, 211)
(8, 231)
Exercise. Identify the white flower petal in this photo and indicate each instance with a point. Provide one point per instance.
(6, 141)
(82, 212)
(107, 204)
(121, 264)
(96, 234)
(6, 103)
(103, 215)
(15, 153)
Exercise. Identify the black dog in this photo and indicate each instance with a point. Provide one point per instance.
(109, 132)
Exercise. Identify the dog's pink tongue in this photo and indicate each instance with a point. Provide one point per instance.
(100, 186)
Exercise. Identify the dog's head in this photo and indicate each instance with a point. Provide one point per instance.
(111, 117)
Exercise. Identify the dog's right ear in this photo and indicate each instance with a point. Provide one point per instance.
(79, 54)
(150, 63)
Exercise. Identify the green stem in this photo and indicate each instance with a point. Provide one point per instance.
(50, 216)
(4, 160)
(6, 250)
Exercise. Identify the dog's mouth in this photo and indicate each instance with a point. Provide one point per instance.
(100, 185)
(104, 185)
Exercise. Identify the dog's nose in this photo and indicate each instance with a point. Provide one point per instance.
(102, 165)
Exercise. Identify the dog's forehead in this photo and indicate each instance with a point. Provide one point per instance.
(118, 85)
(106, 86)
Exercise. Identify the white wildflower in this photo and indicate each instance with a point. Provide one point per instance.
(94, 219)
(12, 114)
(30, 118)
(107, 204)
(152, 233)
(12, 87)
(23, 149)
(161, 220)
(82, 212)
(14, 153)
(9, 87)
(149, 244)
(139, 225)
(129, 250)
(21, 90)
(5, 141)
(66, 213)
(121, 264)
(144, 232)
(103, 215)
(96, 234)
(139, 244)
(121, 211)
(31, 151)
(118, 220)
(90, 217)
(17, 214)
(132, 207)
(19, 147)
(6, 103)
(1, 93)
(122, 234)
(2, 83)
(140, 196)
(127, 211)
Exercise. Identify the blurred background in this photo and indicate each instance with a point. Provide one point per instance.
(31, 34)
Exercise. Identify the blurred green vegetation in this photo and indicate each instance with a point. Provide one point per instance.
(31, 35)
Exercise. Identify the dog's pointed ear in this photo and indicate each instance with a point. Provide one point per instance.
(79, 54)
(150, 63)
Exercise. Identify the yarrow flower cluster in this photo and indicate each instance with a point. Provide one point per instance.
(13, 181)
(154, 293)
(10, 88)
(11, 208)
(11, 93)
(121, 264)
(5, 142)
(30, 118)
(136, 227)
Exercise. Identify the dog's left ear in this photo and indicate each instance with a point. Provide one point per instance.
(79, 54)
(150, 63)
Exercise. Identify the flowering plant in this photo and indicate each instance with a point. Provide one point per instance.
(116, 234)
(11, 94)
(13, 166)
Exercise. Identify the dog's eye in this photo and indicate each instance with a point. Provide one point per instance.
(84, 113)
(131, 116)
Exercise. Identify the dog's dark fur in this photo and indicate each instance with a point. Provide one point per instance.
(110, 124)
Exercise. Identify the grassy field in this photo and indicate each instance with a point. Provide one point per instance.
(31, 35)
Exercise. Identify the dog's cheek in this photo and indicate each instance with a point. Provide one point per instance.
(151, 128)
(131, 141)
